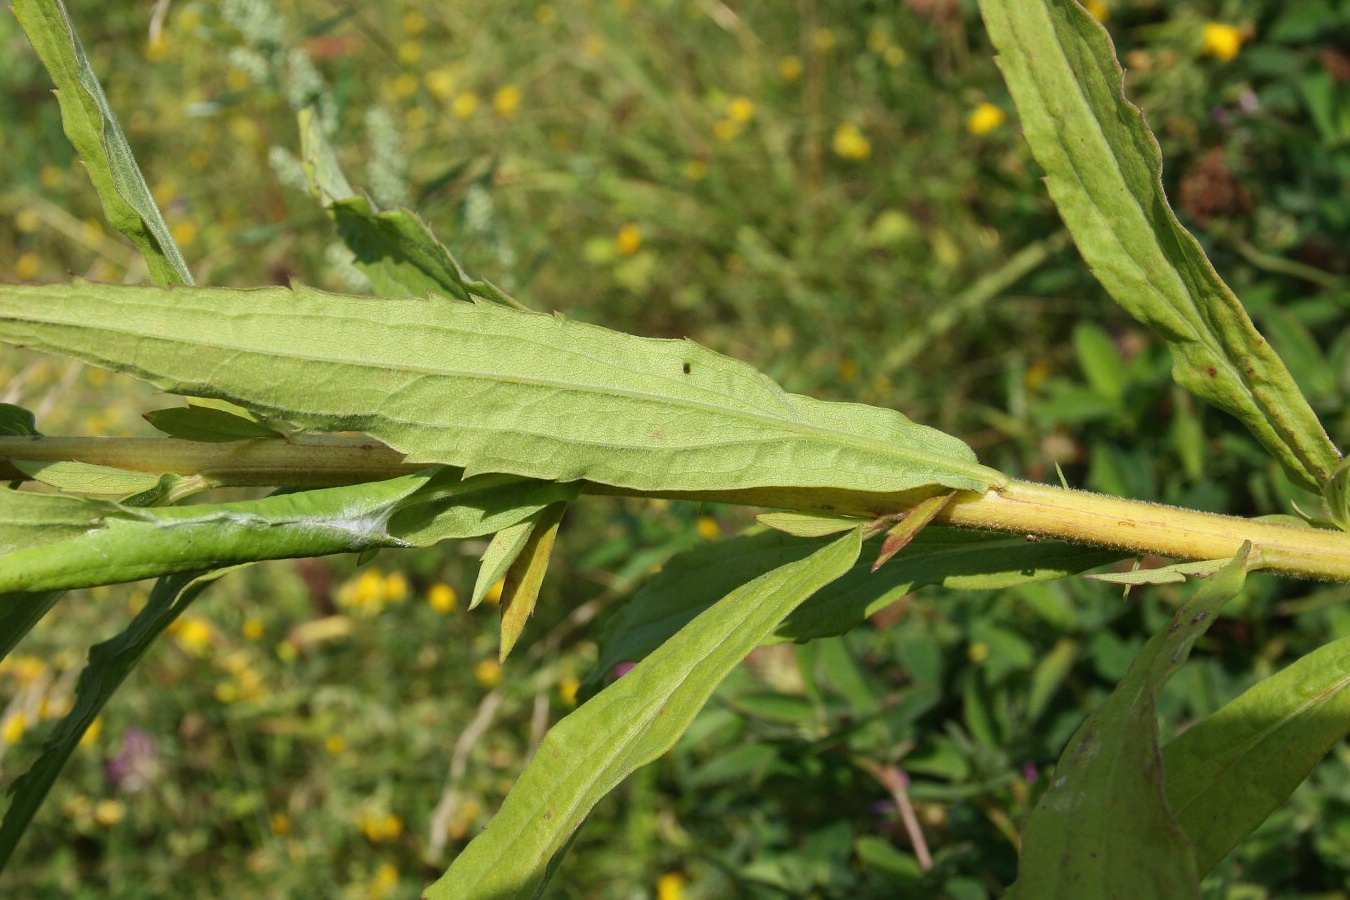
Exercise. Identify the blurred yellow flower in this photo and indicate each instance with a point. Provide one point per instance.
(189, 20)
(895, 56)
(157, 49)
(851, 143)
(823, 39)
(741, 109)
(1100, 9)
(464, 105)
(568, 686)
(506, 102)
(335, 744)
(404, 86)
(193, 635)
(109, 812)
(199, 159)
(978, 652)
(253, 628)
(51, 176)
(696, 170)
(545, 14)
(395, 588)
(442, 597)
(27, 221)
(592, 46)
(878, 40)
(670, 886)
(281, 824)
(727, 130)
(488, 673)
(494, 594)
(378, 827)
(410, 52)
(790, 68)
(441, 83)
(185, 233)
(414, 23)
(985, 118)
(27, 266)
(12, 728)
(629, 239)
(386, 877)
(1221, 41)
(708, 528)
(92, 733)
(237, 80)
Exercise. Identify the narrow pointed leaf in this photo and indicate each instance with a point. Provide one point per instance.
(1103, 829)
(1173, 574)
(1228, 773)
(19, 612)
(807, 524)
(109, 664)
(901, 533)
(1104, 173)
(497, 560)
(520, 593)
(491, 389)
(76, 542)
(959, 559)
(626, 726)
(396, 250)
(202, 423)
(92, 127)
(86, 478)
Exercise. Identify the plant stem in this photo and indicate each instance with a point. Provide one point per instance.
(1038, 511)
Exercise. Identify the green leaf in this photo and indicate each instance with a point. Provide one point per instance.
(526, 576)
(1229, 772)
(491, 389)
(15, 421)
(1104, 173)
(500, 555)
(19, 612)
(86, 478)
(901, 533)
(800, 524)
(202, 423)
(396, 250)
(626, 726)
(60, 542)
(1173, 574)
(109, 664)
(961, 559)
(1103, 829)
(92, 127)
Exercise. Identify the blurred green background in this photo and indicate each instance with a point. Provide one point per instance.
(836, 193)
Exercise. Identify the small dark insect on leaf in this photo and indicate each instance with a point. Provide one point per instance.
(687, 368)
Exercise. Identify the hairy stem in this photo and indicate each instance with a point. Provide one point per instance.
(1018, 506)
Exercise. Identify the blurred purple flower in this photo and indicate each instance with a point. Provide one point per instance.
(1030, 772)
(137, 766)
(622, 669)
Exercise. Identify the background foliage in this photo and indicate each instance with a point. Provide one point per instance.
(751, 177)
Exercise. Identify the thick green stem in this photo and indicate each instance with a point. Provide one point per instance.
(1018, 506)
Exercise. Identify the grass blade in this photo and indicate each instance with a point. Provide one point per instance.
(626, 726)
(92, 127)
(1226, 774)
(490, 388)
(1104, 172)
(1103, 829)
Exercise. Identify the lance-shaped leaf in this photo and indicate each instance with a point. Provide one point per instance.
(109, 664)
(396, 250)
(800, 524)
(899, 535)
(501, 553)
(492, 389)
(1228, 773)
(1103, 829)
(520, 592)
(1173, 574)
(60, 542)
(957, 558)
(626, 726)
(1104, 172)
(86, 478)
(92, 127)
(213, 426)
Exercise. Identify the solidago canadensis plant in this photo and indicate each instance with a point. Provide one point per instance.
(445, 409)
